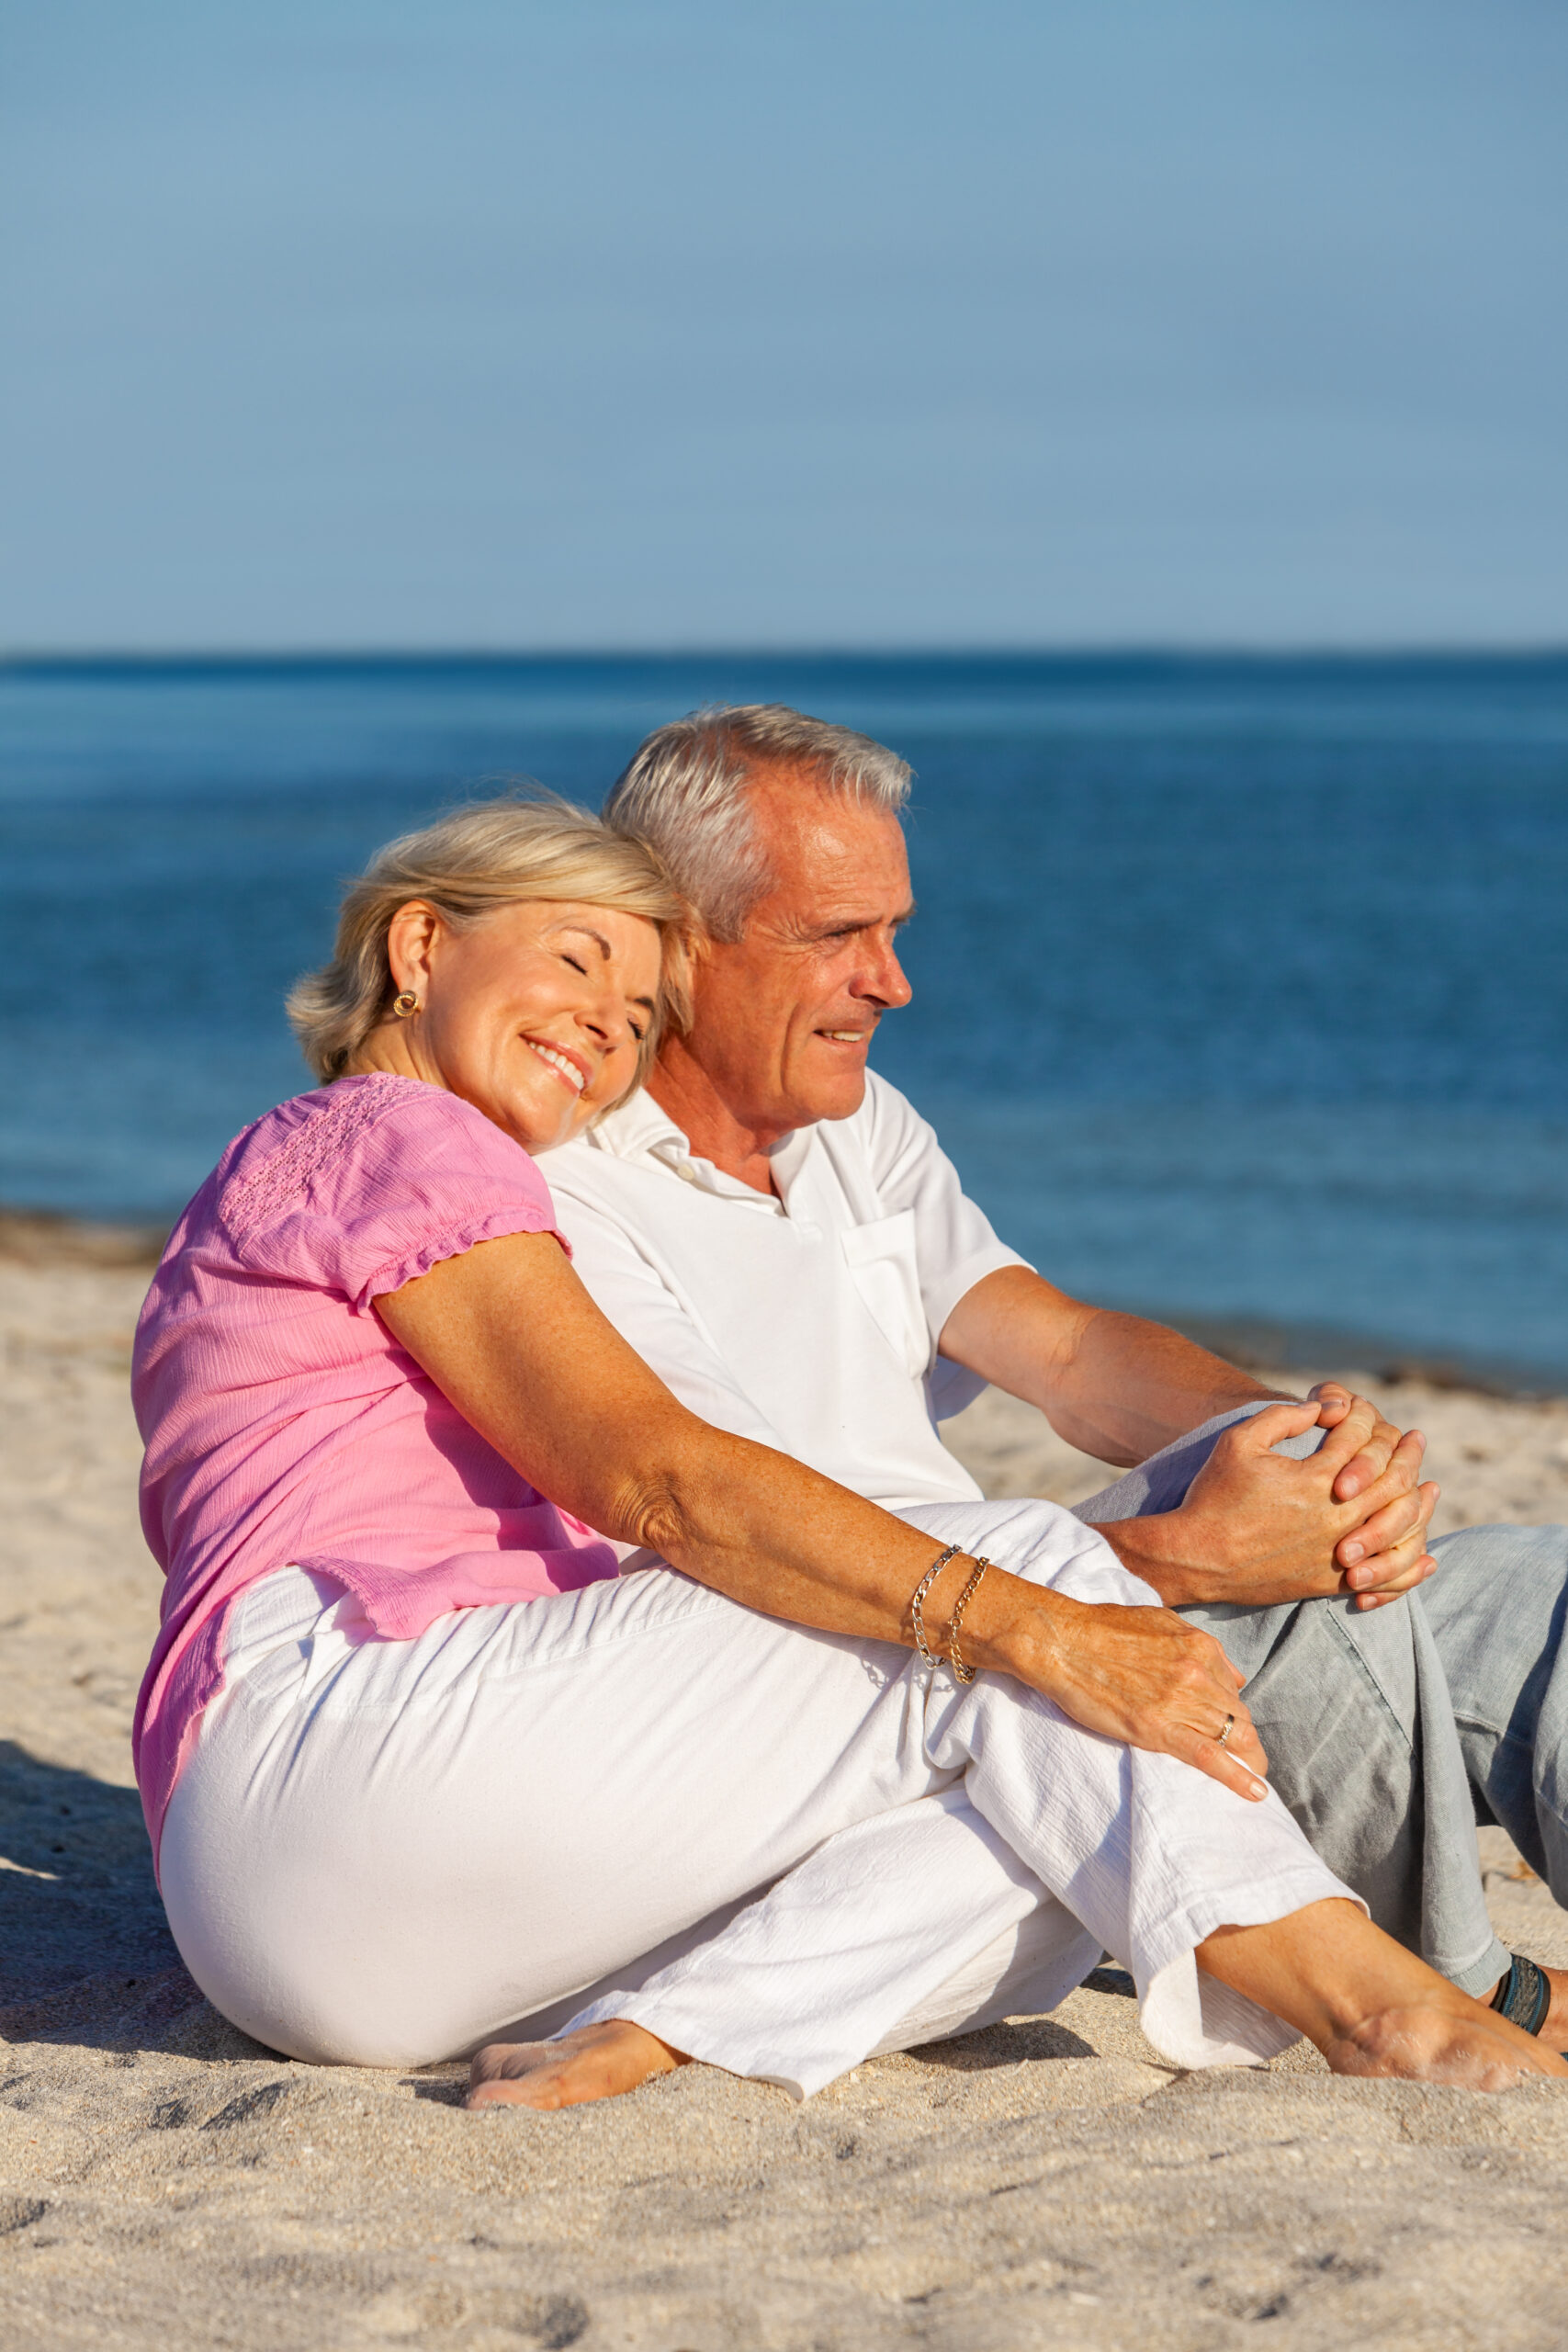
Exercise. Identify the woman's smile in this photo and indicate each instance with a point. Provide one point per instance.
(570, 1067)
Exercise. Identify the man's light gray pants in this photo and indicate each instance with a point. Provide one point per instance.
(1390, 1732)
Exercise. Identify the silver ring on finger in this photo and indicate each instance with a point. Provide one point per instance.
(1230, 1725)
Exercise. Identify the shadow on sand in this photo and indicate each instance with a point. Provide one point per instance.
(86, 1955)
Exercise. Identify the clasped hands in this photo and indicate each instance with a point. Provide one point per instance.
(1258, 1527)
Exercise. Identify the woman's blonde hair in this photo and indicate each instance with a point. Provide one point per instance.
(496, 854)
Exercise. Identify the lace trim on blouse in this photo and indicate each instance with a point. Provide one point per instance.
(325, 1134)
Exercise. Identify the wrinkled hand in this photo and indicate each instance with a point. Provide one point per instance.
(1146, 1678)
(1258, 1527)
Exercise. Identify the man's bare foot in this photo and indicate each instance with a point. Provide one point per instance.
(599, 2061)
(1369, 2005)
(1476, 2051)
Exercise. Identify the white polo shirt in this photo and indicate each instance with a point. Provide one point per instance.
(809, 1322)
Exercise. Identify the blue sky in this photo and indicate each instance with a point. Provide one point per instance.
(557, 323)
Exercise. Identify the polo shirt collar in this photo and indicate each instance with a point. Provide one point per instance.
(635, 1127)
(639, 1129)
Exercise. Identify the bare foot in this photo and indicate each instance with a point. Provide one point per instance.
(1477, 2052)
(599, 2061)
(1369, 2005)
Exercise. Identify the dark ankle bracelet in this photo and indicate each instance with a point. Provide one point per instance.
(1525, 1994)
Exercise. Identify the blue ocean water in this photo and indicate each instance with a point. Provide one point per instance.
(1242, 986)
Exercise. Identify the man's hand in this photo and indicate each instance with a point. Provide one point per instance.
(1336, 1402)
(1258, 1527)
(1369, 1552)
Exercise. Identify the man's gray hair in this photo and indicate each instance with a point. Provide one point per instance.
(684, 793)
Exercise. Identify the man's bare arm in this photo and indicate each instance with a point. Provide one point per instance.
(1113, 1384)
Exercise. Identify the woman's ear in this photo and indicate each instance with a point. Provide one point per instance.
(411, 941)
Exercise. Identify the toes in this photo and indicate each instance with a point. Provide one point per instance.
(497, 2094)
(502, 2061)
(523, 2073)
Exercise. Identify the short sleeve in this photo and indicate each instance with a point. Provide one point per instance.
(379, 1180)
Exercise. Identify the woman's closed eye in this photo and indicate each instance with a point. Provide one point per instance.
(638, 1034)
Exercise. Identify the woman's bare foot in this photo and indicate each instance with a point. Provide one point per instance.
(599, 2061)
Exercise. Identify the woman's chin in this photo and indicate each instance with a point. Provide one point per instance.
(536, 1139)
(540, 1130)
(537, 1125)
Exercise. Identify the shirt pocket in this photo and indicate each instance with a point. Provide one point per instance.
(881, 1257)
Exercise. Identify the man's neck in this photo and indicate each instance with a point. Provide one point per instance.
(685, 1092)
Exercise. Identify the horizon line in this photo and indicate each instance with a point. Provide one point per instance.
(1099, 651)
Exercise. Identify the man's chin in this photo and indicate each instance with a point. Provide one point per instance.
(836, 1096)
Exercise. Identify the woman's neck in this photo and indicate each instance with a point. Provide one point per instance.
(392, 1051)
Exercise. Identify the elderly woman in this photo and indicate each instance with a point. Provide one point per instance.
(419, 1760)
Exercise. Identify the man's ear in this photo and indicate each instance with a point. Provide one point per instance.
(682, 952)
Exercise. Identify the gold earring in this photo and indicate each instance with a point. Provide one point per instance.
(405, 1003)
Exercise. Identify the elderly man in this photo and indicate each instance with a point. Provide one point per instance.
(777, 1232)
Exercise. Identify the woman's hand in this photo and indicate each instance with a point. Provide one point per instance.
(1142, 1676)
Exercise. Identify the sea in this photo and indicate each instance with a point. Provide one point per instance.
(1241, 986)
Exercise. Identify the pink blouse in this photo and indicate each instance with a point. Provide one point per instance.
(283, 1423)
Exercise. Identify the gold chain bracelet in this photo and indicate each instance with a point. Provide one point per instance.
(920, 1591)
(964, 1673)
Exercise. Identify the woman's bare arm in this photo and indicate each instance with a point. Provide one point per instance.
(510, 1335)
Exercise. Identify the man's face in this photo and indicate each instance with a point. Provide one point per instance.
(783, 1020)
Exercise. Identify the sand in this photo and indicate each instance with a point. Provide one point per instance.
(164, 2183)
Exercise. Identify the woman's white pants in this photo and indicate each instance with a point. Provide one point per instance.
(778, 1849)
